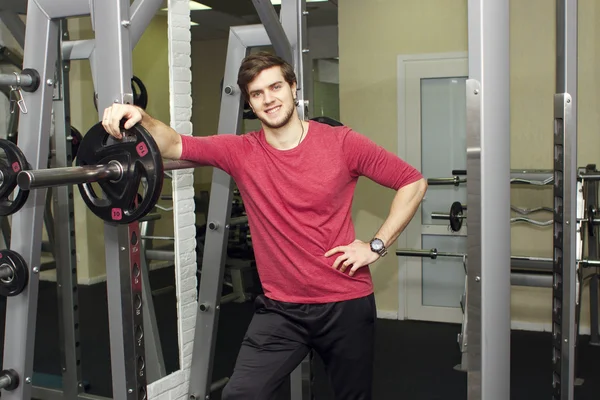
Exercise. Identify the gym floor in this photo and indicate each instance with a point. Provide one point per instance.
(414, 360)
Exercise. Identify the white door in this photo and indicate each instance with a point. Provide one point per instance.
(432, 110)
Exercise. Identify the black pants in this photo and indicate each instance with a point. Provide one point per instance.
(281, 335)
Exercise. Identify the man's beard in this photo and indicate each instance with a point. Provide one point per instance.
(277, 125)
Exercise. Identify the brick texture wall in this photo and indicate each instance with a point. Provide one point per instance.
(175, 386)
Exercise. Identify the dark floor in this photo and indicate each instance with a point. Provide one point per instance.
(414, 360)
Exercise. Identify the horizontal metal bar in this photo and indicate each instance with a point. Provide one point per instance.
(17, 80)
(446, 181)
(5, 381)
(179, 164)
(158, 237)
(434, 253)
(531, 280)
(592, 176)
(439, 215)
(5, 271)
(160, 255)
(531, 265)
(45, 178)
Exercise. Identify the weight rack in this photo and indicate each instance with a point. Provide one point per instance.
(487, 363)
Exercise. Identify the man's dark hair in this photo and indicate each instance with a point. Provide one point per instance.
(254, 64)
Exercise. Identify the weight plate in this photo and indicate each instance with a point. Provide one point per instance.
(12, 161)
(14, 285)
(76, 139)
(456, 212)
(137, 192)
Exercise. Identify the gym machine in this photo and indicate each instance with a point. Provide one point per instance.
(488, 239)
(488, 316)
(40, 84)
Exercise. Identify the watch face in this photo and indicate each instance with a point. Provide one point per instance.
(377, 244)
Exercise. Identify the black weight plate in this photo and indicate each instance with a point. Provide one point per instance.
(12, 161)
(327, 120)
(140, 98)
(76, 139)
(139, 157)
(456, 211)
(16, 284)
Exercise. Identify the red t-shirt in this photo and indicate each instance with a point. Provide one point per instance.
(299, 204)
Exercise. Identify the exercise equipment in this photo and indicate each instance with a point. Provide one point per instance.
(137, 156)
(139, 92)
(119, 166)
(14, 273)
(488, 200)
(327, 120)
(455, 216)
(12, 161)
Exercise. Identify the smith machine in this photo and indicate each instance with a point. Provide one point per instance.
(489, 267)
(120, 182)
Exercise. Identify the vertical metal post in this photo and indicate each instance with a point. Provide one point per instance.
(279, 39)
(215, 245)
(293, 19)
(154, 355)
(123, 276)
(488, 149)
(565, 205)
(64, 234)
(40, 54)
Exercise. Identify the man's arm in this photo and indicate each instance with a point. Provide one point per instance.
(404, 206)
(168, 141)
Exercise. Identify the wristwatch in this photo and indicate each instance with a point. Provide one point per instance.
(378, 246)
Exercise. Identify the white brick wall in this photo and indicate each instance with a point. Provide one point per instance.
(175, 386)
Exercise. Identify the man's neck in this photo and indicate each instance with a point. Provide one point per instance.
(288, 136)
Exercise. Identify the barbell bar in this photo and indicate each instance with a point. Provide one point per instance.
(434, 254)
(111, 171)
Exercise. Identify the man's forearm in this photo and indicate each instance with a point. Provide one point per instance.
(404, 206)
(167, 139)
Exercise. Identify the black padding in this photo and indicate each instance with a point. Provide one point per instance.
(327, 120)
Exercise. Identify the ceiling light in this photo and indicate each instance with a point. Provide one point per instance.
(278, 2)
(194, 6)
(194, 23)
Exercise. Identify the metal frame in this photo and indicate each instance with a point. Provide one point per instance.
(42, 46)
(488, 199)
(566, 227)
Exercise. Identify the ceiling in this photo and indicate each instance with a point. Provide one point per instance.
(215, 23)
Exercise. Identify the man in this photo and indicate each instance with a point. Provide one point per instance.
(297, 180)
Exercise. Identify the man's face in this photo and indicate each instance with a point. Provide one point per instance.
(272, 98)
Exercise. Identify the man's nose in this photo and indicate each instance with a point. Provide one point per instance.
(268, 98)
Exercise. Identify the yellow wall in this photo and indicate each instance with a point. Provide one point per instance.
(373, 34)
(150, 63)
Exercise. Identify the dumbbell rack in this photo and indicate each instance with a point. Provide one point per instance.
(489, 317)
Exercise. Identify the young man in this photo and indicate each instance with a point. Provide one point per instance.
(297, 180)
